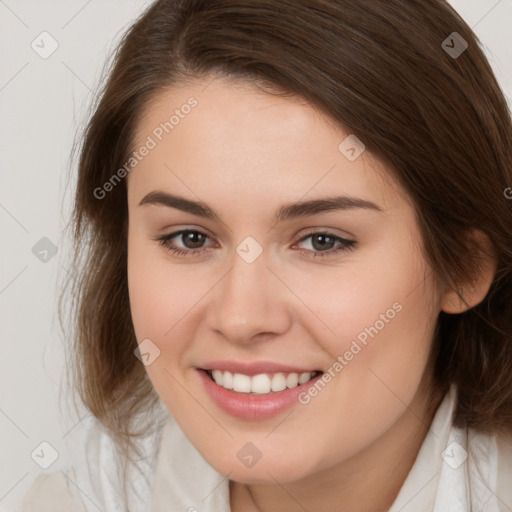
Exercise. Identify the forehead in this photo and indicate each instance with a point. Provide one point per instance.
(227, 138)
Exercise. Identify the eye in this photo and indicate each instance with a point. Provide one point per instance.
(192, 240)
(326, 244)
(322, 243)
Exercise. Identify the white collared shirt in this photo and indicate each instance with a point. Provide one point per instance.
(456, 470)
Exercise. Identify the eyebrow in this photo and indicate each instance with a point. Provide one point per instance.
(285, 212)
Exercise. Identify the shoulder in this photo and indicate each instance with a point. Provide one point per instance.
(489, 470)
(504, 444)
(504, 474)
(111, 479)
(53, 492)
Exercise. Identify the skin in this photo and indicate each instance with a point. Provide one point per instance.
(245, 153)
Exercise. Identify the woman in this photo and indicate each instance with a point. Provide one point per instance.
(295, 265)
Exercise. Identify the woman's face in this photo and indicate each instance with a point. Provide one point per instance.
(265, 285)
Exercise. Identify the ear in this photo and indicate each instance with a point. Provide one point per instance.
(474, 292)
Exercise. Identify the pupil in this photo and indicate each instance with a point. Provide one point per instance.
(193, 240)
(323, 239)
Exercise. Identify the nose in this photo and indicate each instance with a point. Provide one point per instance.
(250, 303)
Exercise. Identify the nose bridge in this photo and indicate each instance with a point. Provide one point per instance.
(249, 300)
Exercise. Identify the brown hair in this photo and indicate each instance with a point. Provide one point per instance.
(376, 67)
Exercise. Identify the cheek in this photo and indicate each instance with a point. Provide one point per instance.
(377, 322)
(379, 293)
(379, 338)
(160, 297)
(158, 291)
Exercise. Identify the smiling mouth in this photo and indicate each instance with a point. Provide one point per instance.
(261, 384)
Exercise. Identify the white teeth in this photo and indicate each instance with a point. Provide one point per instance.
(227, 380)
(260, 384)
(218, 377)
(278, 382)
(241, 383)
(292, 380)
(304, 377)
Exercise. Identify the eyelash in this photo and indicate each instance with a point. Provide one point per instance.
(345, 245)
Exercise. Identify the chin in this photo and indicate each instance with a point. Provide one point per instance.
(265, 471)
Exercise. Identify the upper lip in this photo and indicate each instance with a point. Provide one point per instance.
(254, 367)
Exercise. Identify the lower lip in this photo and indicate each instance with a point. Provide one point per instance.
(253, 407)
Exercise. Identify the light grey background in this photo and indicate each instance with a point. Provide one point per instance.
(43, 101)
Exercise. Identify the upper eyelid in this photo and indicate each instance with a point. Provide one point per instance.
(314, 231)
